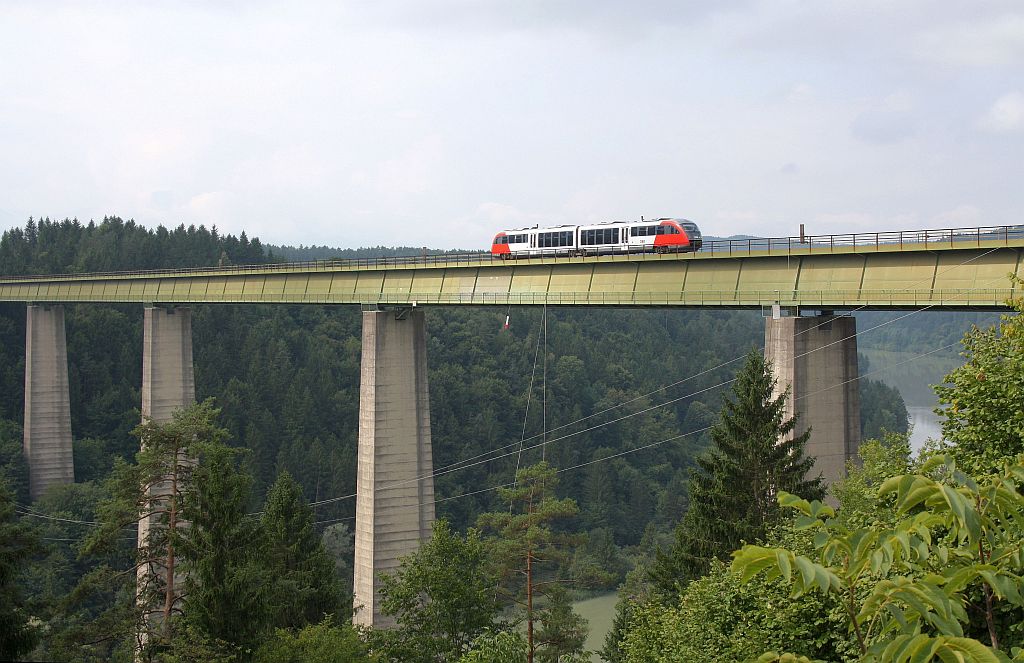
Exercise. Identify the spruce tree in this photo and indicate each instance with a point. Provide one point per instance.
(562, 632)
(222, 581)
(17, 543)
(300, 586)
(732, 494)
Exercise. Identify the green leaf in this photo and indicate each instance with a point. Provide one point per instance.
(782, 559)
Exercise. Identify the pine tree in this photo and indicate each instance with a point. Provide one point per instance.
(148, 494)
(732, 495)
(529, 547)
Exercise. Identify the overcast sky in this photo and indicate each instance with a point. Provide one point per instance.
(438, 122)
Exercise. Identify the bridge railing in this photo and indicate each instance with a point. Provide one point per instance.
(831, 299)
(743, 297)
(878, 241)
(899, 239)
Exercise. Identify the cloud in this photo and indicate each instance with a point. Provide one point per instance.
(439, 122)
(963, 216)
(842, 222)
(163, 199)
(801, 93)
(1006, 115)
(609, 18)
(889, 121)
(988, 42)
(882, 127)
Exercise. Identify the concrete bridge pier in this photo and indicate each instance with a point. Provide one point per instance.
(47, 440)
(394, 489)
(168, 375)
(817, 356)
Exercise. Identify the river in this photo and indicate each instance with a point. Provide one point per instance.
(926, 425)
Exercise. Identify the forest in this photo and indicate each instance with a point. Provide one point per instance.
(621, 405)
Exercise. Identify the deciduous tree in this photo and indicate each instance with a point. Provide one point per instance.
(906, 589)
(981, 400)
(442, 597)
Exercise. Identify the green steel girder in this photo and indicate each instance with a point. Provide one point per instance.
(973, 274)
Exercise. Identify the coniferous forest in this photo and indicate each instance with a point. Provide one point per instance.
(620, 405)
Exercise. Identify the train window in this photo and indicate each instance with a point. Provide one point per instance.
(552, 240)
(599, 236)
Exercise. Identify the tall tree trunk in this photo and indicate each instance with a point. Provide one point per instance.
(172, 525)
(529, 604)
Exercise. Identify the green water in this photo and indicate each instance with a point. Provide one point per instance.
(599, 612)
(911, 373)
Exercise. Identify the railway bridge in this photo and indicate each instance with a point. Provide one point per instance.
(803, 284)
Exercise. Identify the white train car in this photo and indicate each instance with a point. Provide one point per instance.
(656, 236)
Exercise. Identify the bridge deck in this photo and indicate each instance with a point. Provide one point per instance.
(945, 269)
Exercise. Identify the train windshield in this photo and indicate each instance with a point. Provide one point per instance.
(691, 228)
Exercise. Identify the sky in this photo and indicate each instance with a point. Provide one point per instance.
(439, 122)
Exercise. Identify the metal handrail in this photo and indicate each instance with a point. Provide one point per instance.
(900, 239)
(696, 297)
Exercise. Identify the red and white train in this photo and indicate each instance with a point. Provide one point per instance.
(658, 236)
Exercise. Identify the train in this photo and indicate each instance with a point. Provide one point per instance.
(651, 236)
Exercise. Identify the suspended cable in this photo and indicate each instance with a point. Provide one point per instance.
(544, 387)
(25, 511)
(526, 414)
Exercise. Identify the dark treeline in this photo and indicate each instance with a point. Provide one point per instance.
(301, 253)
(286, 380)
(68, 246)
